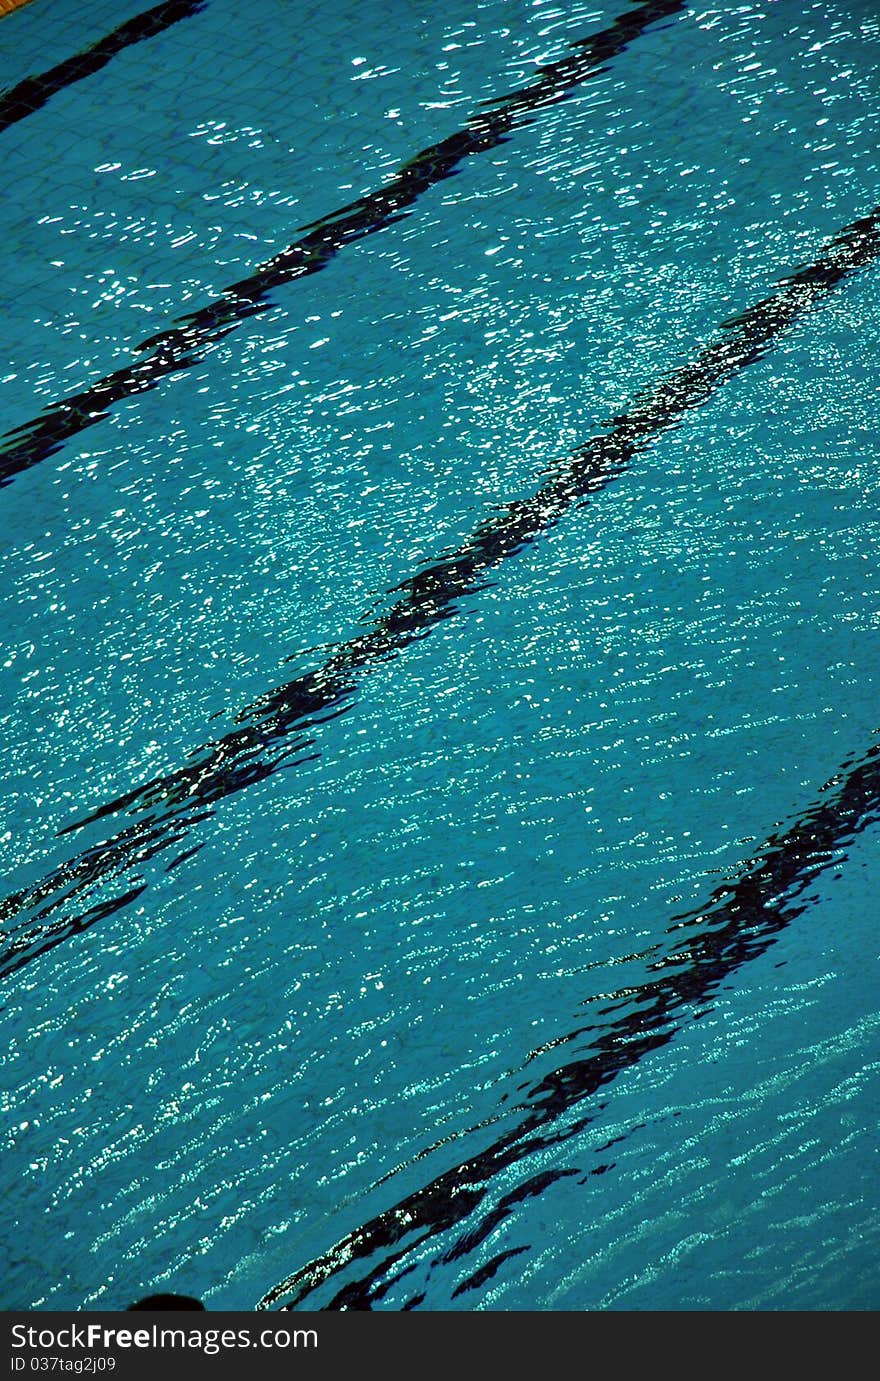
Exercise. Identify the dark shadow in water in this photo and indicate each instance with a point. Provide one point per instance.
(186, 343)
(163, 1303)
(33, 93)
(276, 729)
(738, 923)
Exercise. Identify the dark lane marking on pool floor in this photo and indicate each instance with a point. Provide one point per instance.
(185, 344)
(740, 921)
(33, 93)
(277, 727)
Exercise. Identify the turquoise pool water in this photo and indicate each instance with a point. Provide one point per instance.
(456, 624)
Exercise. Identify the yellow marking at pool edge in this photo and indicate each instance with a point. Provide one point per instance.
(7, 6)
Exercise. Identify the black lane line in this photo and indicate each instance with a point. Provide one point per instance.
(33, 93)
(276, 729)
(187, 342)
(740, 921)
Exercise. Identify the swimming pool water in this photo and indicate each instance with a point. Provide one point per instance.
(424, 627)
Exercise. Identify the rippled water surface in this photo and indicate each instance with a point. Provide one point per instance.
(439, 654)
